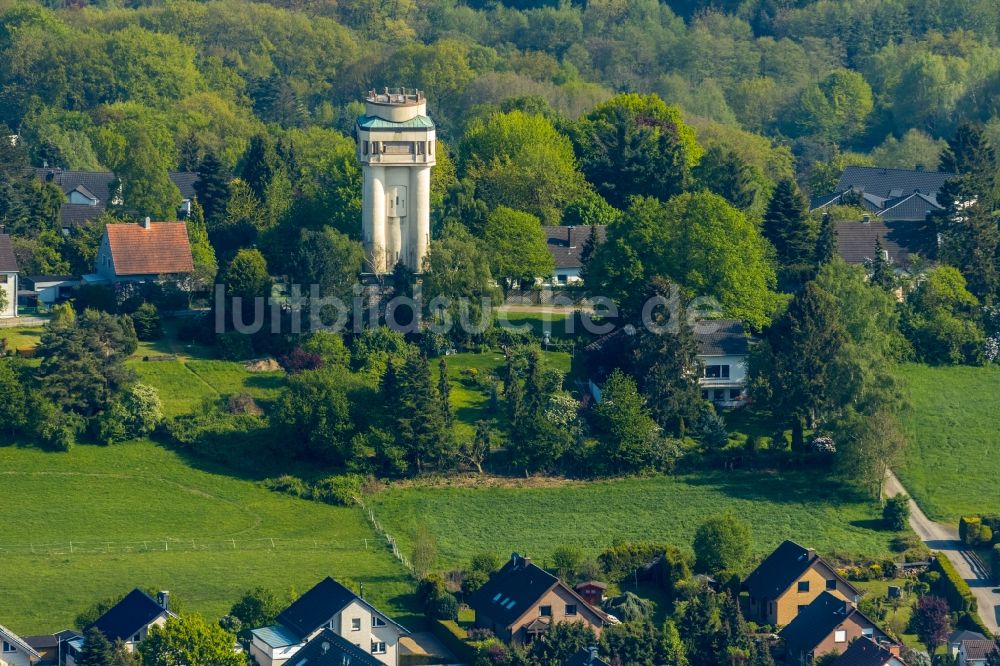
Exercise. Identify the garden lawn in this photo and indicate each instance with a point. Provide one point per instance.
(139, 515)
(952, 461)
(535, 517)
(22, 337)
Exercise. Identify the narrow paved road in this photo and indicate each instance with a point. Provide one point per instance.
(944, 539)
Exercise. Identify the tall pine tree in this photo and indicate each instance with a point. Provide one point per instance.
(880, 270)
(444, 391)
(826, 242)
(212, 188)
(786, 226)
(96, 651)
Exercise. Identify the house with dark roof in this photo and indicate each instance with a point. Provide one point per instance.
(866, 652)
(828, 625)
(907, 195)
(723, 346)
(585, 657)
(566, 245)
(328, 605)
(958, 637)
(15, 651)
(128, 621)
(974, 652)
(50, 646)
(522, 600)
(329, 649)
(8, 277)
(902, 242)
(143, 252)
(789, 580)
(89, 193)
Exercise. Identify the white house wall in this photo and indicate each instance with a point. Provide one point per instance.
(10, 289)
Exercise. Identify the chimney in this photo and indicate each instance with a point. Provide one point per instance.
(593, 654)
(920, 167)
(146, 223)
(163, 598)
(569, 236)
(810, 554)
(866, 219)
(361, 590)
(894, 650)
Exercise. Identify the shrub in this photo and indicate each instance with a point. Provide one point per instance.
(896, 512)
(299, 360)
(147, 323)
(288, 484)
(720, 543)
(337, 490)
(234, 346)
(952, 586)
(621, 560)
(905, 542)
(968, 529)
(443, 607)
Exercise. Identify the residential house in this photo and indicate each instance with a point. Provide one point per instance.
(566, 246)
(866, 652)
(585, 657)
(8, 277)
(975, 652)
(144, 252)
(902, 242)
(788, 580)
(329, 649)
(593, 592)
(128, 621)
(521, 601)
(50, 646)
(827, 625)
(15, 651)
(723, 346)
(959, 636)
(49, 289)
(906, 195)
(89, 193)
(328, 605)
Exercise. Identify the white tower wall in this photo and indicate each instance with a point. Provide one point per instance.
(396, 146)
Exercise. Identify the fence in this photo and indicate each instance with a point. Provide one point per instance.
(545, 296)
(385, 535)
(181, 545)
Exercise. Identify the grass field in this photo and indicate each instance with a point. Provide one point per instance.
(952, 462)
(477, 516)
(139, 515)
(18, 337)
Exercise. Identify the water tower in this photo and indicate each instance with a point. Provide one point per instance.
(396, 151)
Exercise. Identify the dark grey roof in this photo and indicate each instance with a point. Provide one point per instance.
(865, 652)
(867, 201)
(779, 570)
(8, 262)
(891, 183)
(585, 657)
(315, 608)
(721, 337)
(960, 635)
(512, 590)
(566, 243)
(856, 241)
(185, 180)
(75, 215)
(976, 650)
(916, 206)
(817, 621)
(133, 613)
(329, 649)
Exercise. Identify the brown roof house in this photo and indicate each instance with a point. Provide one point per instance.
(8, 277)
(788, 580)
(975, 652)
(827, 625)
(143, 252)
(902, 243)
(521, 601)
(866, 652)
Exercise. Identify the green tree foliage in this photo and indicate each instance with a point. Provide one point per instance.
(146, 320)
(629, 439)
(517, 247)
(636, 145)
(206, 266)
(136, 413)
(724, 172)
(146, 186)
(836, 108)
(14, 407)
(520, 161)
(190, 640)
(256, 608)
(212, 188)
(96, 650)
(939, 318)
(316, 411)
(457, 272)
(896, 512)
(329, 259)
(721, 543)
(415, 411)
(246, 275)
(697, 241)
(561, 641)
(787, 227)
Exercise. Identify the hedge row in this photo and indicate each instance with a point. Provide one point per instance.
(453, 637)
(995, 563)
(979, 530)
(952, 586)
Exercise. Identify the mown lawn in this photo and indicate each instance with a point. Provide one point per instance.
(500, 517)
(22, 337)
(140, 515)
(952, 461)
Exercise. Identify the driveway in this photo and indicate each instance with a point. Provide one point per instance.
(944, 539)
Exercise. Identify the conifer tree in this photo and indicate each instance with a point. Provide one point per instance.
(259, 166)
(96, 651)
(212, 188)
(422, 431)
(826, 242)
(880, 269)
(444, 391)
(787, 228)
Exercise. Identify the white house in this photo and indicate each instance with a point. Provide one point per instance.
(129, 621)
(328, 605)
(8, 277)
(14, 651)
(51, 288)
(722, 349)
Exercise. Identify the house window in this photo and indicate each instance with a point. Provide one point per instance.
(717, 371)
(377, 621)
(7, 647)
(570, 609)
(704, 395)
(364, 147)
(355, 624)
(719, 395)
(734, 394)
(378, 647)
(831, 584)
(545, 611)
(868, 631)
(840, 636)
(803, 586)
(3, 278)
(137, 637)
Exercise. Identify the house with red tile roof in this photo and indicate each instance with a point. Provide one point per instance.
(143, 252)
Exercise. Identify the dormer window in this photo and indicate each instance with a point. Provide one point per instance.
(7, 647)
(377, 621)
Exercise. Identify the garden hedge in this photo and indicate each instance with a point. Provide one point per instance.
(453, 636)
(952, 586)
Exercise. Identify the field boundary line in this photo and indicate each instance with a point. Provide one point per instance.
(377, 526)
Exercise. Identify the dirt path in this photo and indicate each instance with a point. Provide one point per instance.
(944, 539)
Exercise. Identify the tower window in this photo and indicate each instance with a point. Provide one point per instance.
(364, 145)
